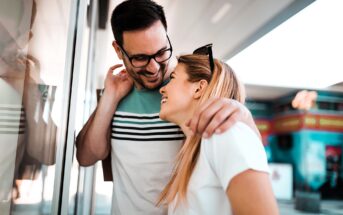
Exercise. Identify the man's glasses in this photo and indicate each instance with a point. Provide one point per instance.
(206, 50)
(142, 60)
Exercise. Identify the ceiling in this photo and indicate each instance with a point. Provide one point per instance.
(193, 23)
(231, 25)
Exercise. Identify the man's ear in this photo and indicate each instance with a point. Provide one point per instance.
(117, 49)
(200, 89)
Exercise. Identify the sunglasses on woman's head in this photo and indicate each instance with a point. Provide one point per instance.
(206, 50)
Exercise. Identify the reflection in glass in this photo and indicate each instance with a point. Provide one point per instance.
(33, 38)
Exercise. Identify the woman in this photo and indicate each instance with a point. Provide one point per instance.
(225, 174)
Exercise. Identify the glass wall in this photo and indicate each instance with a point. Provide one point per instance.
(88, 192)
(35, 74)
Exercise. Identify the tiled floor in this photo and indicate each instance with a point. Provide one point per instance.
(327, 207)
(286, 208)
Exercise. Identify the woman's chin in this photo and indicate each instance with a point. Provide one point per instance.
(166, 117)
(163, 115)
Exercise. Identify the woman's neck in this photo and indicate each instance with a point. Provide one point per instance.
(182, 119)
(186, 130)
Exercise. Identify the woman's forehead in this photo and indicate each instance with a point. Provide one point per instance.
(180, 68)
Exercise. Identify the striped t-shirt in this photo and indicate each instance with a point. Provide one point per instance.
(12, 129)
(144, 149)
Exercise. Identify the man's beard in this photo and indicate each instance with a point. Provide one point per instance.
(137, 76)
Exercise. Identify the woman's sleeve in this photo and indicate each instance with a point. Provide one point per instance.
(235, 151)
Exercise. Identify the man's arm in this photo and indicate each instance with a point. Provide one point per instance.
(217, 115)
(92, 142)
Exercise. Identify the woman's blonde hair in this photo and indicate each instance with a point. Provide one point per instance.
(222, 82)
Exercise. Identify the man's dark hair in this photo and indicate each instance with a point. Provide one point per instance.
(135, 15)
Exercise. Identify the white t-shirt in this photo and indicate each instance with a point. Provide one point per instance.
(221, 158)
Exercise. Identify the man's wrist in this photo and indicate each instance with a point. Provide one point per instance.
(110, 96)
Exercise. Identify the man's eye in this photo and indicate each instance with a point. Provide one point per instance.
(140, 58)
(161, 53)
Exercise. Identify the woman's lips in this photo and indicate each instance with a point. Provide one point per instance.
(164, 99)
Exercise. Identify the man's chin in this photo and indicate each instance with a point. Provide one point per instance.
(152, 85)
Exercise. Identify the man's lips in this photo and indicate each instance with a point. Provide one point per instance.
(151, 78)
(149, 74)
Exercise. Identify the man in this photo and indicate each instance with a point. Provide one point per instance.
(143, 147)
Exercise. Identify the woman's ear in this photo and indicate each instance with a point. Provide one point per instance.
(117, 49)
(200, 89)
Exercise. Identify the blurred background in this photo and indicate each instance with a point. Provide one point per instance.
(54, 55)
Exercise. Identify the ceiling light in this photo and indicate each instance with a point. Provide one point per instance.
(221, 13)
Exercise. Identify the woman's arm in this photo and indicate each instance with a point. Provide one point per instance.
(250, 192)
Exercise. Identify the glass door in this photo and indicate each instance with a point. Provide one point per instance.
(39, 61)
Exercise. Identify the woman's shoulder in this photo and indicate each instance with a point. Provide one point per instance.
(236, 133)
(239, 142)
(235, 150)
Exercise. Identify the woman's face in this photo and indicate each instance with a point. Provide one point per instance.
(178, 101)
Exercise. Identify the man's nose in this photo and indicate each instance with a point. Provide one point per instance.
(153, 66)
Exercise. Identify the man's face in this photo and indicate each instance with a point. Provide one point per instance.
(149, 41)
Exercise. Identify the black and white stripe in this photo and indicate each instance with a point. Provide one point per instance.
(12, 119)
(144, 127)
(139, 118)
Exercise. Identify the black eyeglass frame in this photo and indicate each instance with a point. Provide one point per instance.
(206, 50)
(153, 56)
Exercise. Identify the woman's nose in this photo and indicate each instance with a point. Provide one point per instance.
(162, 90)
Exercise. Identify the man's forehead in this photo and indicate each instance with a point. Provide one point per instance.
(146, 41)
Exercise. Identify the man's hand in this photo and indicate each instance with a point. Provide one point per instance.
(217, 115)
(118, 85)
(92, 142)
